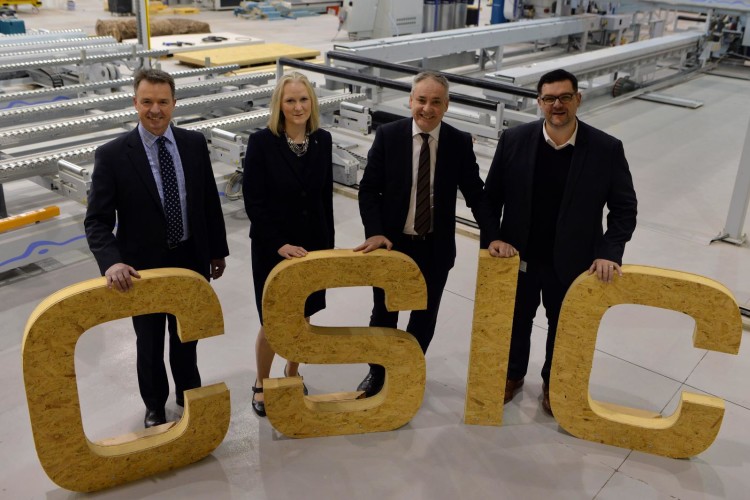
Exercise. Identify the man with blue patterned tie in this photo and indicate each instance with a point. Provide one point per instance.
(157, 183)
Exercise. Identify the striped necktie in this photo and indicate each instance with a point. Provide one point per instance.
(422, 212)
(172, 207)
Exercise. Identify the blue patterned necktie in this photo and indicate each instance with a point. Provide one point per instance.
(422, 212)
(172, 207)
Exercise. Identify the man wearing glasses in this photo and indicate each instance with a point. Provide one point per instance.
(550, 180)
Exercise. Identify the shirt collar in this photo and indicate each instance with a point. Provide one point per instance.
(569, 142)
(416, 130)
(149, 139)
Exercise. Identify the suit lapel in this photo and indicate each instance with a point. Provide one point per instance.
(529, 168)
(402, 166)
(311, 173)
(184, 148)
(407, 149)
(576, 167)
(442, 162)
(287, 157)
(139, 160)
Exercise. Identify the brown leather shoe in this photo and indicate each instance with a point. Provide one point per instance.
(546, 406)
(511, 388)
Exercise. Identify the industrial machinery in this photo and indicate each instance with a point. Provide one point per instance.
(50, 128)
(63, 168)
(364, 19)
(82, 94)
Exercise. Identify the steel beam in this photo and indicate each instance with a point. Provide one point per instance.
(18, 136)
(47, 163)
(109, 102)
(55, 35)
(735, 224)
(96, 58)
(413, 70)
(351, 76)
(25, 97)
(426, 45)
(604, 61)
(55, 44)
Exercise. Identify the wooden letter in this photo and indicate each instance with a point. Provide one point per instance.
(287, 288)
(494, 302)
(67, 456)
(694, 425)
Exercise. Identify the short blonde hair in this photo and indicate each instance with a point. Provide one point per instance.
(276, 120)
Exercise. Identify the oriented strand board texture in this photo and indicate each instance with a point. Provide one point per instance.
(245, 55)
(490, 339)
(287, 288)
(696, 422)
(122, 29)
(67, 456)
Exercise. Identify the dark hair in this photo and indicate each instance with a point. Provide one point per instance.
(153, 76)
(558, 75)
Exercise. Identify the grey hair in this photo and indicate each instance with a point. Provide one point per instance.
(424, 75)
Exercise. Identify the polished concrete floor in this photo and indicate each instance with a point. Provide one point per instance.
(684, 164)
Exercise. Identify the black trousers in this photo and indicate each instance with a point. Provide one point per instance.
(421, 323)
(149, 330)
(539, 279)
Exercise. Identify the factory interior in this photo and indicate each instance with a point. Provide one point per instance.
(669, 78)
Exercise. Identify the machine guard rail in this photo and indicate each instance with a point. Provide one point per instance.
(413, 70)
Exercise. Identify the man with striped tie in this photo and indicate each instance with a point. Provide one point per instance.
(407, 200)
(157, 183)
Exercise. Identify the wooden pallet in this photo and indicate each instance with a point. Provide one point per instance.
(250, 55)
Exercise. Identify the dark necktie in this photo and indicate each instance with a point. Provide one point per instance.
(172, 207)
(422, 209)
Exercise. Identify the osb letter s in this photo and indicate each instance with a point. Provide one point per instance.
(286, 290)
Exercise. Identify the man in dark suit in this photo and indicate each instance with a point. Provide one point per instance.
(407, 200)
(550, 181)
(157, 183)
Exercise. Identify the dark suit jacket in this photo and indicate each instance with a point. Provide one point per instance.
(599, 175)
(287, 204)
(386, 186)
(123, 189)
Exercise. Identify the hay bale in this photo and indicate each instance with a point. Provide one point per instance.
(122, 29)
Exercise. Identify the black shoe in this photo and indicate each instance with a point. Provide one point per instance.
(154, 417)
(511, 389)
(259, 407)
(546, 406)
(304, 387)
(371, 385)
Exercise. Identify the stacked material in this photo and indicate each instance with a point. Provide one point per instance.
(126, 28)
(272, 10)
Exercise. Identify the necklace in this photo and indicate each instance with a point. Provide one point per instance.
(298, 149)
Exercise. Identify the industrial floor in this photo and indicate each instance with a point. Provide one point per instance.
(684, 164)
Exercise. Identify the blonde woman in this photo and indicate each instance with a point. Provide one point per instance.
(288, 192)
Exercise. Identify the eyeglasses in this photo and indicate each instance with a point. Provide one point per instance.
(549, 100)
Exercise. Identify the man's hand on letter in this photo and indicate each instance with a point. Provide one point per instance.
(290, 251)
(118, 276)
(373, 243)
(605, 269)
(499, 248)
